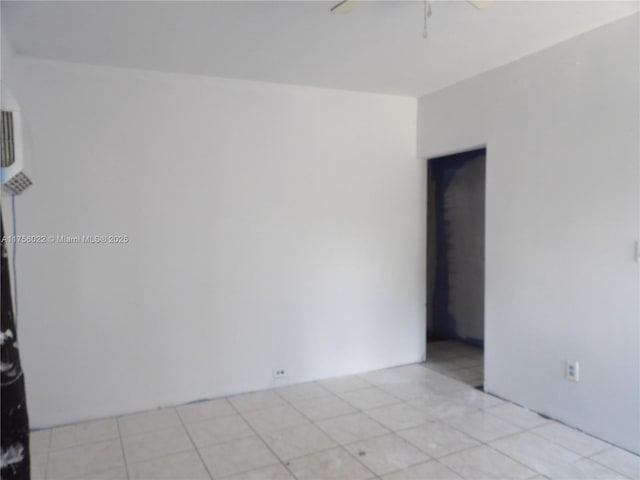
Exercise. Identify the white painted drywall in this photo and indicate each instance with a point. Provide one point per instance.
(7, 54)
(563, 182)
(270, 226)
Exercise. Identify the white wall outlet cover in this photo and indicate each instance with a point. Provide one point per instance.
(572, 370)
(279, 373)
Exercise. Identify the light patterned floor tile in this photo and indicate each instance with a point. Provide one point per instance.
(352, 428)
(237, 457)
(146, 446)
(444, 410)
(256, 401)
(219, 430)
(535, 452)
(399, 416)
(431, 399)
(298, 441)
(477, 399)
(517, 415)
(414, 372)
(434, 416)
(484, 463)
(442, 367)
(571, 439)
(368, 398)
(438, 439)
(196, 412)
(410, 391)
(620, 461)
(39, 466)
(272, 472)
(386, 376)
(183, 466)
(83, 433)
(273, 419)
(39, 442)
(447, 385)
(323, 407)
(425, 471)
(84, 460)
(116, 473)
(387, 454)
(483, 426)
(335, 464)
(345, 384)
(148, 421)
(584, 469)
(302, 391)
(466, 375)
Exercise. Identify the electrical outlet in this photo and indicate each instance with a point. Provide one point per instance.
(572, 370)
(279, 373)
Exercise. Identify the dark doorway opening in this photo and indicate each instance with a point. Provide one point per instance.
(455, 250)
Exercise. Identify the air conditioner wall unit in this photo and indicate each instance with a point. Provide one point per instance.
(14, 176)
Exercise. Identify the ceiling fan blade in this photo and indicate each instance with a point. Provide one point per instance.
(480, 3)
(345, 6)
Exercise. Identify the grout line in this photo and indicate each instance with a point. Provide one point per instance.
(352, 455)
(363, 412)
(359, 461)
(94, 442)
(337, 394)
(90, 442)
(484, 444)
(154, 431)
(46, 465)
(85, 444)
(609, 447)
(488, 444)
(337, 445)
(432, 459)
(184, 425)
(532, 431)
(281, 461)
(516, 460)
(511, 422)
(401, 401)
(607, 466)
(327, 418)
(332, 447)
(124, 457)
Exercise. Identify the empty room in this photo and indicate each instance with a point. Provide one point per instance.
(307, 240)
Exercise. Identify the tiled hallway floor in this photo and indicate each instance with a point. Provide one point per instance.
(457, 360)
(400, 423)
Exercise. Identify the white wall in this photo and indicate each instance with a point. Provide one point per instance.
(270, 226)
(563, 184)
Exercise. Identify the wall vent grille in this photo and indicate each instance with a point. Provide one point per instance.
(17, 184)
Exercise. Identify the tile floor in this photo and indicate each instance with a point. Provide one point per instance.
(457, 360)
(401, 423)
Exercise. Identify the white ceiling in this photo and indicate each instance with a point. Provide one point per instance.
(378, 47)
